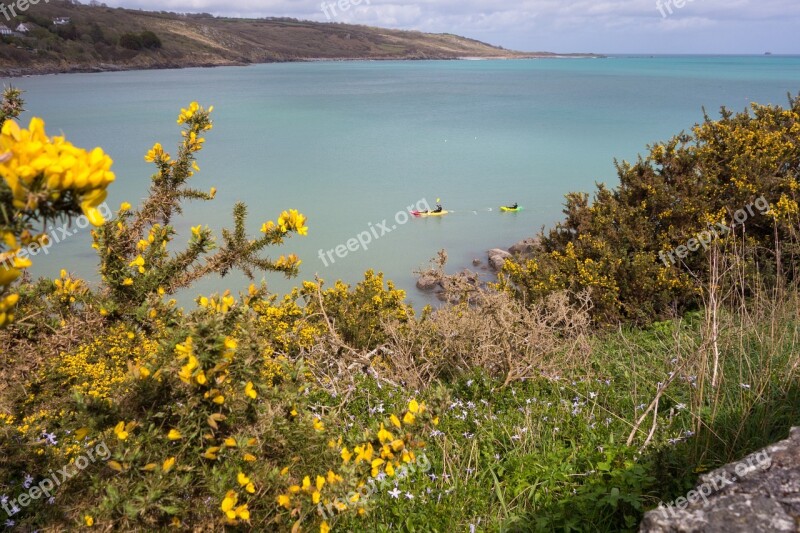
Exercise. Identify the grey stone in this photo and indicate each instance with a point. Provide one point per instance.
(497, 258)
(524, 247)
(760, 493)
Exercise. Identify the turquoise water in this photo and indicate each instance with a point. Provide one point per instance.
(352, 143)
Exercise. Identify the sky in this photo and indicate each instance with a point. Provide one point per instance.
(599, 26)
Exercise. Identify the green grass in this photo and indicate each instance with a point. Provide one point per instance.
(551, 454)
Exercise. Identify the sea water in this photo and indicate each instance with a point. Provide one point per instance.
(353, 145)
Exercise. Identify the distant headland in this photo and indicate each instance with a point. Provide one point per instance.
(60, 36)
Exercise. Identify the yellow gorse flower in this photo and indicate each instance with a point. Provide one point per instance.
(245, 482)
(219, 304)
(6, 304)
(231, 511)
(230, 345)
(168, 464)
(138, 262)
(415, 407)
(284, 500)
(119, 431)
(383, 435)
(188, 113)
(364, 453)
(185, 352)
(40, 164)
(333, 478)
(67, 288)
(211, 453)
(346, 455)
(157, 153)
(197, 231)
(292, 220)
(288, 262)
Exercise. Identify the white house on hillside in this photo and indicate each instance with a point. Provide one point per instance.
(5, 30)
(23, 28)
(60, 21)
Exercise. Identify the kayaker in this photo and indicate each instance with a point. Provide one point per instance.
(516, 205)
(438, 208)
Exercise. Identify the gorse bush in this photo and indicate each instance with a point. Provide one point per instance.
(618, 246)
(192, 407)
(45, 179)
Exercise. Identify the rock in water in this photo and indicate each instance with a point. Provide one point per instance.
(524, 247)
(428, 282)
(497, 258)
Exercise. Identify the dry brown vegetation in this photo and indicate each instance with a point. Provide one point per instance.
(480, 328)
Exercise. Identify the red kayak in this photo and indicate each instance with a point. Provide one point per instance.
(428, 213)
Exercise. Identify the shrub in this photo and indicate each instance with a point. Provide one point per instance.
(131, 41)
(51, 192)
(150, 40)
(139, 41)
(96, 33)
(618, 246)
(67, 32)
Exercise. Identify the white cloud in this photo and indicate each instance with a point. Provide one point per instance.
(578, 24)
